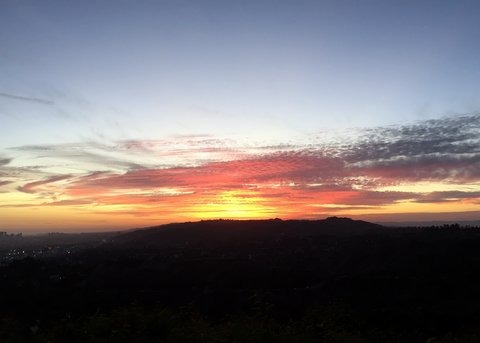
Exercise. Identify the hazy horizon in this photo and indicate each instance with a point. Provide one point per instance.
(405, 220)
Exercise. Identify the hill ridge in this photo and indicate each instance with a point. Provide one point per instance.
(221, 231)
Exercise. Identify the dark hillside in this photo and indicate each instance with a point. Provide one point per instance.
(333, 280)
(215, 232)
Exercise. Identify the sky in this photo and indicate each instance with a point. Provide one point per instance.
(120, 114)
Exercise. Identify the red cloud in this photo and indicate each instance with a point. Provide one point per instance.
(285, 180)
(280, 167)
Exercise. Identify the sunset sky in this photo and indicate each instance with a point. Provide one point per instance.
(120, 114)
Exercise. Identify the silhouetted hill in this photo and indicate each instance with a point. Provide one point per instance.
(214, 232)
(332, 280)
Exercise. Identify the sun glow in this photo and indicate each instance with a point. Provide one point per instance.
(235, 182)
(233, 205)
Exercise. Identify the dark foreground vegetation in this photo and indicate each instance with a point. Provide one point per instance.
(334, 280)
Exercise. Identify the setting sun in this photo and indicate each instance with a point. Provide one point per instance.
(233, 205)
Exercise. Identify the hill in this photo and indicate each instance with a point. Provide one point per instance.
(218, 232)
(332, 280)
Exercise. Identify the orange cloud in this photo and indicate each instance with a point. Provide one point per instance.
(203, 177)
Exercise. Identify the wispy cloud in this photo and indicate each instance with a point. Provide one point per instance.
(31, 187)
(26, 98)
(447, 196)
(197, 174)
(80, 155)
(3, 183)
(4, 161)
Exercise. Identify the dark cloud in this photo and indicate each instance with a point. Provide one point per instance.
(455, 168)
(33, 148)
(376, 198)
(441, 149)
(325, 210)
(447, 196)
(453, 135)
(3, 183)
(5, 161)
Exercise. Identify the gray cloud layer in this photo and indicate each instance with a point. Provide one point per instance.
(434, 149)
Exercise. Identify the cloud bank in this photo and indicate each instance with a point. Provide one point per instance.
(361, 170)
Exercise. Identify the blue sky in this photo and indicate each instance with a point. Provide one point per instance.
(273, 69)
(127, 113)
